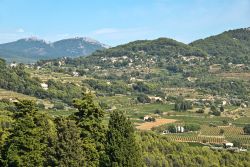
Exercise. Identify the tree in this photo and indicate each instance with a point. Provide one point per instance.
(122, 148)
(89, 119)
(142, 98)
(27, 144)
(222, 131)
(182, 105)
(66, 150)
(221, 109)
(237, 143)
(246, 129)
(172, 128)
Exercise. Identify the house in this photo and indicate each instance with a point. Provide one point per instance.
(13, 65)
(148, 119)
(145, 118)
(44, 86)
(155, 99)
(228, 145)
(179, 129)
(75, 74)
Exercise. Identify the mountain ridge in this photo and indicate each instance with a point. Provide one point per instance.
(31, 49)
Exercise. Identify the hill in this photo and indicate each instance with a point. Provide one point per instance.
(29, 50)
(230, 46)
(162, 50)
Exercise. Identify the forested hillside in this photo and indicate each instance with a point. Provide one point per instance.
(162, 48)
(18, 80)
(231, 46)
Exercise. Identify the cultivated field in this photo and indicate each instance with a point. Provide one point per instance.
(158, 122)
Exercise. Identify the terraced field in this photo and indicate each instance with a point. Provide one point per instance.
(242, 75)
(5, 94)
(196, 138)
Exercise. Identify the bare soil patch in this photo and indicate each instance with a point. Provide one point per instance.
(158, 122)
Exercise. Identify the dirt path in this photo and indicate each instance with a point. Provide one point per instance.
(158, 122)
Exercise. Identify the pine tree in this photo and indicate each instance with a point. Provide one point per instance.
(122, 147)
(26, 145)
(89, 119)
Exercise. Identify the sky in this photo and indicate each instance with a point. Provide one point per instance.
(115, 22)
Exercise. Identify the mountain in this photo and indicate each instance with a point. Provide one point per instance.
(32, 49)
(230, 46)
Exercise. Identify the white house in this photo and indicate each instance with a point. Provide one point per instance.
(227, 145)
(13, 65)
(75, 74)
(44, 86)
(179, 129)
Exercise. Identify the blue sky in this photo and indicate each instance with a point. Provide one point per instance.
(119, 21)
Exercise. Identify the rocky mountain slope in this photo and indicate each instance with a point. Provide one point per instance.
(29, 50)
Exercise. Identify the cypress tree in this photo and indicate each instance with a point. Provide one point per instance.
(89, 119)
(67, 150)
(122, 147)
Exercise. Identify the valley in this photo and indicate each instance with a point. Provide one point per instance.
(171, 89)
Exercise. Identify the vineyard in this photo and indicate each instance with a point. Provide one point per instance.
(196, 138)
(214, 135)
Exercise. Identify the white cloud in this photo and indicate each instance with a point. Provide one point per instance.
(20, 30)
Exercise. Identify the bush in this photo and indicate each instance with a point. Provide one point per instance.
(143, 98)
(157, 111)
(171, 128)
(200, 111)
(246, 129)
(192, 127)
(58, 106)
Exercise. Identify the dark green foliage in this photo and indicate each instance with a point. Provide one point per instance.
(200, 111)
(89, 119)
(192, 127)
(247, 129)
(142, 98)
(182, 105)
(230, 46)
(122, 147)
(27, 145)
(67, 150)
(222, 131)
(172, 128)
(237, 143)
